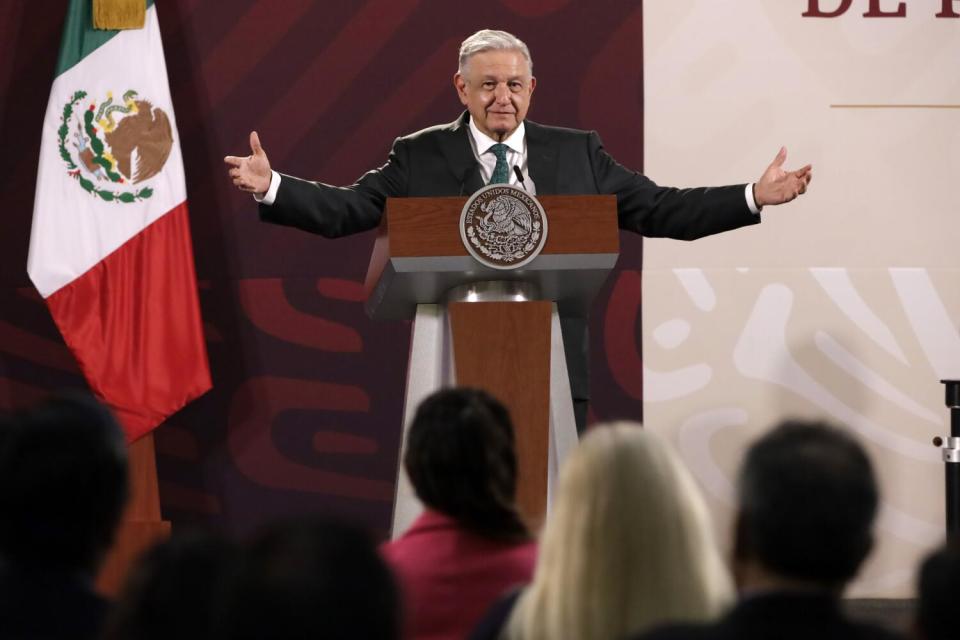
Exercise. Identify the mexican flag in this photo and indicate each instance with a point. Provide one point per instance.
(110, 245)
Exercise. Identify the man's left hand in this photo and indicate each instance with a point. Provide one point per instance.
(777, 186)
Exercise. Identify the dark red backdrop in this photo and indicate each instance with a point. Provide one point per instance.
(305, 410)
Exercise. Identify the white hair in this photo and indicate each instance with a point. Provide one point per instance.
(628, 545)
(489, 40)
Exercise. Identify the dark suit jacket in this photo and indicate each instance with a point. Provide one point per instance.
(783, 616)
(439, 161)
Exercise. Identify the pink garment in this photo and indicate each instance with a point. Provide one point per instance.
(451, 576)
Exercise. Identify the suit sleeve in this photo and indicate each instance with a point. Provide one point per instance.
(667, 212)
(334, 212)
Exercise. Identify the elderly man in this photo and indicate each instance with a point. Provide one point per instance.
(493, 142)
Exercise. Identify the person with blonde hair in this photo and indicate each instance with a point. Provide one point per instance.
(628, 545)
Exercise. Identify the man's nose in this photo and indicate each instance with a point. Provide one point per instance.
(502, 94)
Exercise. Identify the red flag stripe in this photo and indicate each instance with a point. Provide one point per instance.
(133, 323)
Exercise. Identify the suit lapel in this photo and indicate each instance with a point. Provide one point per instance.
(541, 159)
(459, 155)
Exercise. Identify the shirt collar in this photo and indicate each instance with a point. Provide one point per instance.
(483, 142)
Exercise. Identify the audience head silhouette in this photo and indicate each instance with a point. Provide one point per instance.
(176, 589)
(63, 484)
(808, 499)
(938, 590)
(307, 580)
(461, 461)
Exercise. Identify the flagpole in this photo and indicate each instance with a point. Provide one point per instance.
(142, 525)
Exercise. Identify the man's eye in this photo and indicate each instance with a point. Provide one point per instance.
(487, 85)
(516, 86)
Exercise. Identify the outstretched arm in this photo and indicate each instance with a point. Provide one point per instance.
(777, 185)
(251, 173)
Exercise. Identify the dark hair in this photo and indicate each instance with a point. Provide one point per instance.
(63, 483)
(461, 461)
(808, 498)
(312, 579)
(175, 589)
(938, 589)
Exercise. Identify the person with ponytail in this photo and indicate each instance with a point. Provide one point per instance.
(470, 544)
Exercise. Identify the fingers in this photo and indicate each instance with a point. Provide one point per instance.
(802, 183)
(790, 188)
(243, 185)
(242, 168)
(799, 181)
(781, 157)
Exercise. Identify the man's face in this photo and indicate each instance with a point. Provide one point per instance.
(495, 87)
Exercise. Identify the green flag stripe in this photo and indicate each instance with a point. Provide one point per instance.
(80, 39)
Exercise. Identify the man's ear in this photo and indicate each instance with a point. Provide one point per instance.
(533, 83)
(461, 84)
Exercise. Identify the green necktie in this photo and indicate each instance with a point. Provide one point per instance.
(501, 172)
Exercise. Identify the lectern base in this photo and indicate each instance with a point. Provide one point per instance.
(432, 367)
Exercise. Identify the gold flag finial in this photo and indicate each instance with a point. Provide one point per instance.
(119, 14)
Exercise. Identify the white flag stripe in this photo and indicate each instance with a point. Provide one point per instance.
(67, 242)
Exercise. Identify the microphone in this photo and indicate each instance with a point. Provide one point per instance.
(519, 174)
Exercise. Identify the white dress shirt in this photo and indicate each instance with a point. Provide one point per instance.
(516, 155)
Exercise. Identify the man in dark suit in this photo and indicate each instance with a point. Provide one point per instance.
(493, 142)
(808, 499)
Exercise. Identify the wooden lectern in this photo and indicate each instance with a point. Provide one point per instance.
(489, 328)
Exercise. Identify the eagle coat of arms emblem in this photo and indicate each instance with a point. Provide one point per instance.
(112, 146)
(503, 226)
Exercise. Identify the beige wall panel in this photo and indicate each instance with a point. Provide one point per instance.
(844, 304)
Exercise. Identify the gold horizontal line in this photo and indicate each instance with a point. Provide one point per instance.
(895, 106)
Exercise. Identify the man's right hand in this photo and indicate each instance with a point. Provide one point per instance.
(251, 173)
